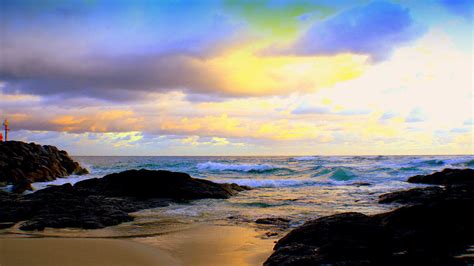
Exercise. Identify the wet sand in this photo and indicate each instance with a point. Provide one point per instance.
(210, 245)
(79, 251)
(199, 245)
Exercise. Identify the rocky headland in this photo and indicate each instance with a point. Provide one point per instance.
(24, 163)
(435, 227)
(97, 203)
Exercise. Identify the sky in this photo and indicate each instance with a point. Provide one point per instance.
(275, 77)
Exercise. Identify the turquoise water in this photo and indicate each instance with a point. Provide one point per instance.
(297, 188)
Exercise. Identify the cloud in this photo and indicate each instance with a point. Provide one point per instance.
(212, 141)
(116, 52)
(461, 130)
(415, 115)
(115, 78)
(127, 51)
(121, 27)
(305, 109)
(388, 115)
(354, 112)
(469, 122)
(374, 29)
(239, 72)
(103, 121)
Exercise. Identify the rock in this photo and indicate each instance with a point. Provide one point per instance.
(273, 221)
(415, 195)
(6, 225)
(22, 163)
(413, 235)
(351, 238)
(97, 203)
(146, 184)
(429, 194)
(433, 230)
(80, 171)
(22, 185)
(271, 234)
(361, 184)
(446, 177)
(457, 183)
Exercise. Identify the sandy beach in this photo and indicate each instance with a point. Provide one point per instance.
(79, 251)
(229, 245)
(200, 245)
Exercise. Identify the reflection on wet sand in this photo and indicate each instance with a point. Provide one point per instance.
(214, 245)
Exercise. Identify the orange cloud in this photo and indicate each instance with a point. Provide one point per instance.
(106, 121)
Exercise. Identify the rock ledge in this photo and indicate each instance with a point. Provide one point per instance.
(97, 203)
(434, 229)
(24, 163)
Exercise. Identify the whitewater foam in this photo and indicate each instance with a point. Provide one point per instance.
(305, 158)
(271, 183)
(72, 179)
(214, 166)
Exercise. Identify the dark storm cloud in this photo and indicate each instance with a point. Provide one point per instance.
(115, 78)
(113, 51)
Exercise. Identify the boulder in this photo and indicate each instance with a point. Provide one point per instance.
(97, 203)
(341, 239)
(146, 184)
(414, 195)
(433, 230)
(277, 221)
(429, 194)
(22, 185)
(23, 163)
(446, 177)
(413, 235)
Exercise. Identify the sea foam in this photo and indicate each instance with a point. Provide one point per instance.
(271, 183)
(305, 158)
(214, 166)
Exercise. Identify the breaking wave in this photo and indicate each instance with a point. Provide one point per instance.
(305, 158)
(341, 174)
(249, 168)
(336, 173)
(432, 162)
(271, 183)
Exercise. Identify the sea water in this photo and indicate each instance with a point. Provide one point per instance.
(296, 188)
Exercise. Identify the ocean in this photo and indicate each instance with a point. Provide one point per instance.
(296, 188)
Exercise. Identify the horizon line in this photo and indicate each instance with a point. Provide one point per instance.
(340, 155)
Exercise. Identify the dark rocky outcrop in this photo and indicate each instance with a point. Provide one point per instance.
(436, 226)
(446, 177)
(157, 184)
(63, 206)
(23, 163)
(346, 239)
(96, 203)
(429, 194)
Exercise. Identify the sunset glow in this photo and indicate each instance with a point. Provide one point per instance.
(239, 77)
